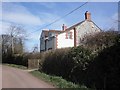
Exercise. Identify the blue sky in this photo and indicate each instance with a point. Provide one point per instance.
(34, 15)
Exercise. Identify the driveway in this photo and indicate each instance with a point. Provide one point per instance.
(17, 78)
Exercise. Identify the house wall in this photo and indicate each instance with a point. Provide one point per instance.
(51, 43)
(42, 42)
(87, 27)
(62, 42)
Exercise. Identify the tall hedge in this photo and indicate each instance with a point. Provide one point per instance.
(104, 71)
(100, 70)
(15, 59)
(67, 63)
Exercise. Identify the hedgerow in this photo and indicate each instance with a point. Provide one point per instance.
(97, 70)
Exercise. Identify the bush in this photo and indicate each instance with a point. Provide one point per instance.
(99, 70)
(80, 58)
(54, 62)
(15, 59)
(104, 71)
(100, 40)
(68, 63)
(33, 55)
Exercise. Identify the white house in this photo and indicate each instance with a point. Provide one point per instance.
(68, 37)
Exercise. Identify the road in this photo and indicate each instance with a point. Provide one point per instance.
(17, 78)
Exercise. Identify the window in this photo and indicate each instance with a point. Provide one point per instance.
(42, 40)
(50, 49)
(50, 38)
(68, 35)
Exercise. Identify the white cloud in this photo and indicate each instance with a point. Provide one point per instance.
(16, 13)
(115, 16)
(48, 5)
(21, 18)
(19, 14)
(49, 18)
(115, 21)
(60, 0)
(4, 27)
(14, 7)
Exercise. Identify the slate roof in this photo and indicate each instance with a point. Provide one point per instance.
(46, 32)
(61, 31)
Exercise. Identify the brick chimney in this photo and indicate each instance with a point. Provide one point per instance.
(64, 27)
(87, 16)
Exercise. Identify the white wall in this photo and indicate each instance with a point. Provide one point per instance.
(87, 27)
(63, 42)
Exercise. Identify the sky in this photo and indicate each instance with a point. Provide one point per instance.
(33, 16)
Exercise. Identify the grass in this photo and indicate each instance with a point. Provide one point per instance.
(17, 66)
(58, 82)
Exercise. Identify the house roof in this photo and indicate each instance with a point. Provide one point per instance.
(46, 32)
(56, 31)
(75, 25)
(68, 29)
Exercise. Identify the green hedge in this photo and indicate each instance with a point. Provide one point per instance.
(100, 70)
(15, 59)
(70, 64)
(104, 71)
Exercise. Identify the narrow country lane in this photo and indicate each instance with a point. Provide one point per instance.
(17, 78)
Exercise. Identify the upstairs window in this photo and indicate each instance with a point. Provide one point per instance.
(69, 35)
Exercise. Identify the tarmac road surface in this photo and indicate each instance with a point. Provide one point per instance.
(17, 78)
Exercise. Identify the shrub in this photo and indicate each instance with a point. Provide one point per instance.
(33, 55)
(80, 58)
(15, 59)
(100, 40)
(54, 62)
(68, 63)
(99, 70)
(104, 71)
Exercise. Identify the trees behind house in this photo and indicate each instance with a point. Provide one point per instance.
(13, 40)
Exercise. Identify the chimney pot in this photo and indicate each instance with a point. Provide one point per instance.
(87, 16)
(64, 27)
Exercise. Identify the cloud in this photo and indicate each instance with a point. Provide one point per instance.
(21, 18)
(14, 12)
(19, 14)
(4, 27)
(49, 18)
(115, 16)
(48, 5)
(115, 21)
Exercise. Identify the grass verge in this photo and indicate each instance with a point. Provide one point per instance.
(58, 82)
(16, 66)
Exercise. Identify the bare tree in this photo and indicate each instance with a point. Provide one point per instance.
(35, 48)
(17, 31)
(16, 34)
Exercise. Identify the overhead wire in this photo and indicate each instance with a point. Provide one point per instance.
(58, 18)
